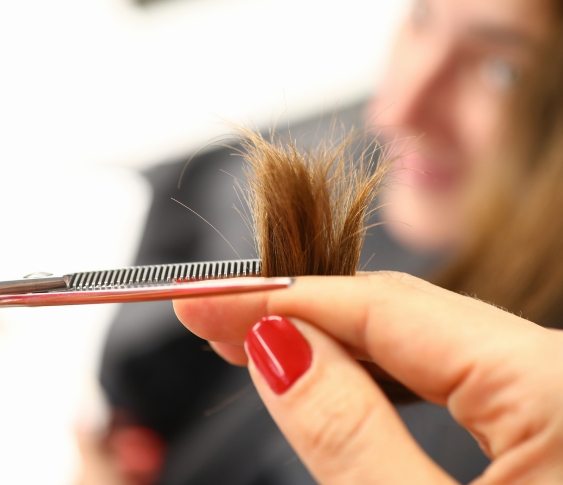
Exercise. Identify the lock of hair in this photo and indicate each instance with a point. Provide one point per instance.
(310, 208)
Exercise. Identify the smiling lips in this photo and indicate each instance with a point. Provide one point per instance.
(429, 172)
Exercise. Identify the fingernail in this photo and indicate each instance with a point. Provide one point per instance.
(278, 351)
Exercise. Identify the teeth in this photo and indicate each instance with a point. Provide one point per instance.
(163, 274)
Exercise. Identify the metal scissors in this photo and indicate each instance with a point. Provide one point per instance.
(139, 283)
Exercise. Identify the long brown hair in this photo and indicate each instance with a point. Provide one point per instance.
(516, 258)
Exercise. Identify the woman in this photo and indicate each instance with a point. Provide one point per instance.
(497, 373)
(469, 185)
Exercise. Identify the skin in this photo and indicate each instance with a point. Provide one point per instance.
(453, 71)
(463, 357)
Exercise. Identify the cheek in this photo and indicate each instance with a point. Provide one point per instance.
(394, 84)
(480, 121)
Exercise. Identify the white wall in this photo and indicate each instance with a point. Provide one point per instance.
(107, 81)
(86, 217)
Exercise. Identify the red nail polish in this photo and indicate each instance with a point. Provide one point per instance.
(278, 351)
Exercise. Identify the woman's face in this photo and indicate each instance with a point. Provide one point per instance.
(453, 70)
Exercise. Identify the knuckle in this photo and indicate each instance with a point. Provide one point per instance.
(399, 277)
(391, 275)
(404, 279)
(336, 428)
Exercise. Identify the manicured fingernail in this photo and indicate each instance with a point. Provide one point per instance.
(278, 351)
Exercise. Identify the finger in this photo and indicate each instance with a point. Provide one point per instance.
(445, 347)
(333, 414)
(424, 336)
(232, 353)
(222, 318)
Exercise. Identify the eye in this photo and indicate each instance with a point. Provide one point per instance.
(420, 13)
(499, 73)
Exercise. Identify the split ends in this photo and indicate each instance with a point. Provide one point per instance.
(310, 209)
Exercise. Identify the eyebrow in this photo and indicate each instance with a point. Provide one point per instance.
(501, 36)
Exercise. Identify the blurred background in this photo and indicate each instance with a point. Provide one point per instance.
(91, 93)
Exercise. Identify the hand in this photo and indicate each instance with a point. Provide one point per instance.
(500, 376)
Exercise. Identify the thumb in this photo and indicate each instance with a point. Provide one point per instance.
(334, 415)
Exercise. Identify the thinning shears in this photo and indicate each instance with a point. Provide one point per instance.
(139, 283)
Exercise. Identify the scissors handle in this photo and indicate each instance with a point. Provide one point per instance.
(33, 285)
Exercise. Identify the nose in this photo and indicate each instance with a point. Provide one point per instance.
(418, 93)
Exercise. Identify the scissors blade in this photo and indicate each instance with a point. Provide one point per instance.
(147, 293)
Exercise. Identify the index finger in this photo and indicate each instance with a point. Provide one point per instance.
(426, 337)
